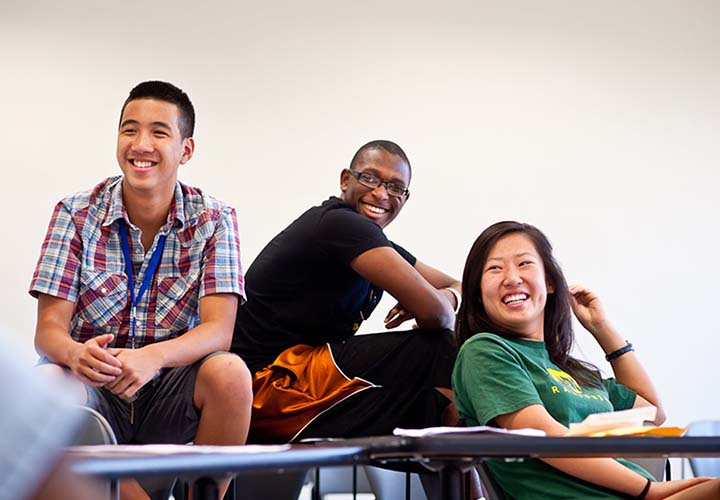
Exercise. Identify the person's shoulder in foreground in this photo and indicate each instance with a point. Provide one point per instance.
(139, 280)
(33, 438)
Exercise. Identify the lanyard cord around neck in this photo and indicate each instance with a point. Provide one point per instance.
(147, 279)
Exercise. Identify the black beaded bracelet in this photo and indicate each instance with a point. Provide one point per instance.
(616, 354)
(645, 490)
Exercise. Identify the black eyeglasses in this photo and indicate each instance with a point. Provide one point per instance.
(373, 182)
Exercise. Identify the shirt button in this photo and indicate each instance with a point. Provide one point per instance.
(103, 290)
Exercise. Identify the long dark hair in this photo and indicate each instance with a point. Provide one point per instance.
(559, 336)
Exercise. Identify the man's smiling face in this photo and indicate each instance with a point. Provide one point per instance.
(376, 204)
(150, 146)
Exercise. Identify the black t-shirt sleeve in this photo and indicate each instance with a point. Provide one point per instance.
(405, 254)
(343, 234)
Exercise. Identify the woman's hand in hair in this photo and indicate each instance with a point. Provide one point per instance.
(587, 308)
(589, 311)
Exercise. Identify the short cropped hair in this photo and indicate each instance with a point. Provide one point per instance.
(387, 146)
(164, 91)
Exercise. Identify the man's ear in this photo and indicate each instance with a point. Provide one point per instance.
(344, 178)
(188, 150)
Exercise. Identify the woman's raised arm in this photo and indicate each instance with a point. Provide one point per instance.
(626, 365)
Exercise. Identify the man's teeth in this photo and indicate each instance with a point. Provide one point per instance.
(514, 299)
(374, 209)
(142, 164)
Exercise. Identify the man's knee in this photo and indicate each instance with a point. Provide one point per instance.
(224, 375)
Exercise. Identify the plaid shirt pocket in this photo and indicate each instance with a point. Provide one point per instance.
(103, 299)
(177, 302)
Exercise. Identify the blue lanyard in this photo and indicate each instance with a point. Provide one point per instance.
(147, 279)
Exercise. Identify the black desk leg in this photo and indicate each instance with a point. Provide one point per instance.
(316, 489)
(114, 489)
(205, 489)
(467, 484)
(354, 482)
(407, 486)
(230, 494)
(450, 483)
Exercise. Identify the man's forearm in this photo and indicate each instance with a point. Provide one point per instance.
(52, 332)
(214, 333)
(192, 346)
(55, 344)
(440, 314)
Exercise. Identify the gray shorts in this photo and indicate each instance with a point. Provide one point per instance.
(162, 412)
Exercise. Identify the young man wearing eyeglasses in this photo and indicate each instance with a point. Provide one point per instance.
(308, 292)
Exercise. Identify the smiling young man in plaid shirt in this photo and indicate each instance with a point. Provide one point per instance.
(138, 283)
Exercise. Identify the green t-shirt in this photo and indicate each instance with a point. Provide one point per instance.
(495, 375)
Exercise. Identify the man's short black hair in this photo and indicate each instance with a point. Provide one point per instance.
(164, 91)
(388, 146)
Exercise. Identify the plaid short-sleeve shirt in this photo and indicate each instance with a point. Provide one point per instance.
(82, 261)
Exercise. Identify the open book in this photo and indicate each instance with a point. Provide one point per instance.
(623, 423)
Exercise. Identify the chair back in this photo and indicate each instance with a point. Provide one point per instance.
(491, 489)
(95, 429)
(705, 467)
(654, 465)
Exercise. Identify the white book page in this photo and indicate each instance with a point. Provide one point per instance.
(478, 429)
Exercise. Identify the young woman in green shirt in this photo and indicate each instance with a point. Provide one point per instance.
(515, 371)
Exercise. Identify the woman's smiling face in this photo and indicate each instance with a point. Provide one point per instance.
(513, 287)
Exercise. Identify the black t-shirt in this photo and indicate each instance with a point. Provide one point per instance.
(301, 288)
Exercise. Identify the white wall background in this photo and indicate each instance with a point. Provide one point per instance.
(597, 121)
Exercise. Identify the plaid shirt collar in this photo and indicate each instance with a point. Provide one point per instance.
(116, 208)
